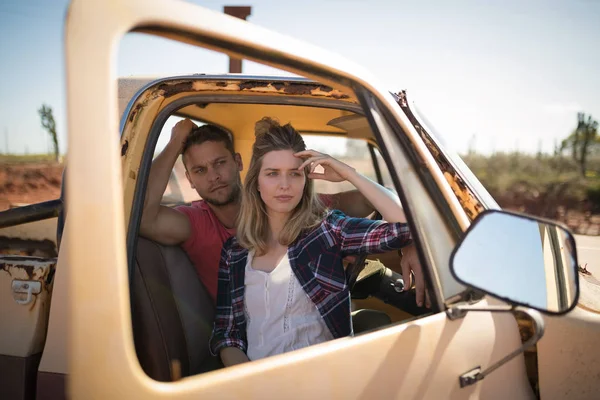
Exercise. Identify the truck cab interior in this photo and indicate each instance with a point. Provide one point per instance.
(171, 311)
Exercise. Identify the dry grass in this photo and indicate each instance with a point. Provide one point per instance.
(26, 158)
(543, 185)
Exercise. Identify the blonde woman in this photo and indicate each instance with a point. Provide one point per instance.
(282, 284)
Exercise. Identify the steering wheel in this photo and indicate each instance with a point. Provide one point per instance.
(378, 281)
(360, 261)
(372, 278)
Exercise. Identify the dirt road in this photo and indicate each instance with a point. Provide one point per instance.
(23, 183)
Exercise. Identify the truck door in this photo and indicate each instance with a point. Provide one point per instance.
(418, 359)
(28, 257)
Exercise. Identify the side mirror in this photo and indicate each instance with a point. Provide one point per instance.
(520, 259)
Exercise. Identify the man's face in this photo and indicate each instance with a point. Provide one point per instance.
(214, 172)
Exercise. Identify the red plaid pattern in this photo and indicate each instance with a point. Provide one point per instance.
(316, 260)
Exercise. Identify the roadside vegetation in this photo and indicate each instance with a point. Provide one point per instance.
(26, 158)
(564, 186)
(541, 184)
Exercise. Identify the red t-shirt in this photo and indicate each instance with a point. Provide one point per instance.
(204, 245)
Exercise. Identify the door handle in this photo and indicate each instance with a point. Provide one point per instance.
(27, 287)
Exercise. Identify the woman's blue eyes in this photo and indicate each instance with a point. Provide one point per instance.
(274, 173)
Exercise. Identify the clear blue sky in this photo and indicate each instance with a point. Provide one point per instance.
(507, 73)
(518, 274)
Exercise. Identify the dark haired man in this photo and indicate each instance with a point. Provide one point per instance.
(213, 170)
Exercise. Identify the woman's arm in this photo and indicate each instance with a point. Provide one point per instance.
(225, 333)
(233, 356)
(358, 236)
(375, 237)
(383, 200)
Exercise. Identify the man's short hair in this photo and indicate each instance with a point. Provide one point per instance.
(208, 133)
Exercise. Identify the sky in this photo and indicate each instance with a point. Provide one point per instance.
(490, 76)
(525, 260)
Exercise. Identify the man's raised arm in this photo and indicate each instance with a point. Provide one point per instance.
(163, 224)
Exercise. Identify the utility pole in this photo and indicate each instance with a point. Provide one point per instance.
(241, 12)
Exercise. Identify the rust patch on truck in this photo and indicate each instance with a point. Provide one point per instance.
(470, 204)
(8, 267)
(134, 112)
(24, 271)
(171, 88)
(589, 291)
(26, 267)
(583, 270)
(294, 88)
(124, 148)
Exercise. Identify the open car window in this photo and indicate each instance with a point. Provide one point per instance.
(386, 178)
(178, 189)
(338, 131)
(354, 152)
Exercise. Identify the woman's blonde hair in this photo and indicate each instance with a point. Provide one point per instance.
(253, 222)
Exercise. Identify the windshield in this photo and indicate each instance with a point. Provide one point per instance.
(463, 170)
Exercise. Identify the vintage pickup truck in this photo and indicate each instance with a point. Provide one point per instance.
(93, 310)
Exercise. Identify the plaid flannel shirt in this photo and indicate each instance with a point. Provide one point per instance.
(316, 260)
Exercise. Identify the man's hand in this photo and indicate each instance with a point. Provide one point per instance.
(410, 262)
(159, 223)
(181, 130)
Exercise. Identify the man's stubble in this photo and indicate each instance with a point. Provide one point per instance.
(234, 196)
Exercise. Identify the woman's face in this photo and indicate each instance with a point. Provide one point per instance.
(280, 183)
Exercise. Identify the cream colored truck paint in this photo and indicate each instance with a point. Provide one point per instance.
(569, 357)
(422, 359)
(38, 230)
(23, 328)
(59, 338)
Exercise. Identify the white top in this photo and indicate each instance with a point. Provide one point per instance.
(280, 317)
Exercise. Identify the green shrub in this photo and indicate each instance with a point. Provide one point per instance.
(538, 184)
(593, 196)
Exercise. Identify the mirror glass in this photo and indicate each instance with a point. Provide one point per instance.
(519, 259)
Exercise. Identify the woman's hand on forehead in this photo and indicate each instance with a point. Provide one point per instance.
(333, 169)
